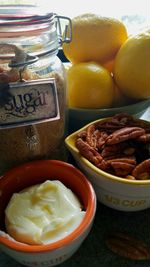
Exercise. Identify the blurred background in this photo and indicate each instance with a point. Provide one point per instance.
(134, 13)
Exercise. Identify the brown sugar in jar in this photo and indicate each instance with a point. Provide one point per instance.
(35, 139)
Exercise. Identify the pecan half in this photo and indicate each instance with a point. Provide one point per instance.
(90, 138)
(101, 137)
(142, 170)
(122, 119)
(108, 127)
(127, 246)
(112, 150)
(109, 151)
(95, 138)
(118, 121)
(124, 134)
(122, 166)
(144, 138)
(90, 153)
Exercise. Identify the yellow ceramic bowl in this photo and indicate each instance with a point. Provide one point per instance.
(115, 192)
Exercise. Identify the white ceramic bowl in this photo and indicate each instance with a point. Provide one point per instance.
(37, 172)
(79, 117)
(115, 192)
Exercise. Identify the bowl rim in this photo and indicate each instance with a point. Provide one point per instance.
(87, 220)
(134, 105)
(91, 166)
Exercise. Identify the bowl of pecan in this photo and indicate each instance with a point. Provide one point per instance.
(114, 153)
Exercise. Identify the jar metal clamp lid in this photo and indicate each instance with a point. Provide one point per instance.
(28, 22)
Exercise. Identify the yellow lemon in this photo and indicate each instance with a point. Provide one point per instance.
(94, 38)
(132, 66)
(89, 86)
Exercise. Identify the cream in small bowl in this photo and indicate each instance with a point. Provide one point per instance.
(35, 173)
(43, 213)
(113, 190)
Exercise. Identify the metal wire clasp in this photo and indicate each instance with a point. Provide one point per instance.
(65, 36)
(21, 61)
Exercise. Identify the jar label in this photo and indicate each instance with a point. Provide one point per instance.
(29, 102)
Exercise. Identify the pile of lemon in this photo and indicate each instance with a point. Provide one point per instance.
(108, 68)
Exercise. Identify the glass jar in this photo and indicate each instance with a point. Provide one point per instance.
(32, 86)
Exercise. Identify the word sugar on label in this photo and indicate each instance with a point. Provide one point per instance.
(28, 103)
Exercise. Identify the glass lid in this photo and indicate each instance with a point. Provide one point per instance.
(11, 15)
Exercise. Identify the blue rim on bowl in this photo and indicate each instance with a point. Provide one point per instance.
(79, 117)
